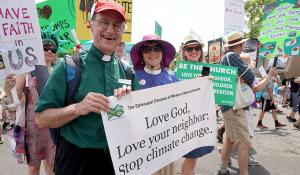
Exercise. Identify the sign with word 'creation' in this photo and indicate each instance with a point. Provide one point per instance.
(148, 129)
(224, 82)
(20, 36)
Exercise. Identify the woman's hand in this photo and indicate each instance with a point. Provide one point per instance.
(122, 91)
(10, 81)
(210, 77)
(272, 72)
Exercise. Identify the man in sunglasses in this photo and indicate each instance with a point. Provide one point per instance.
(83, 147)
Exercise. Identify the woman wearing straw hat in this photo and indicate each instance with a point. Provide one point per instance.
(150, 59)
(192, 50)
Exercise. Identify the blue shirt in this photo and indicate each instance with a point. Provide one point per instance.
(147, 80)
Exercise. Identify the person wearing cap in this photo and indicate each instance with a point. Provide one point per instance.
(236, 125)
(82, 147)
(192, 50)
(151, 58)
(38, 142)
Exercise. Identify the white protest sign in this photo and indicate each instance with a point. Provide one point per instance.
(148, 129)
(233, 16)
(262, 71)
(20, 35)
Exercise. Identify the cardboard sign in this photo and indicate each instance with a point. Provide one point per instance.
(293, 67)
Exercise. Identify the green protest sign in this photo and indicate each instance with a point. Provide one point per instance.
(61, 15)
(158, 29)
(280, 29)
(224, 82)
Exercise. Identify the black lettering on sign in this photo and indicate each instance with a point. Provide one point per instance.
(127, 5)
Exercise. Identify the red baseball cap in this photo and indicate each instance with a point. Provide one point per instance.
(108, 5)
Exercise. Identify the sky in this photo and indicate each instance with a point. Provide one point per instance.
(177, 18)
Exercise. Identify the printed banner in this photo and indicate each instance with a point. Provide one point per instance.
(234, 16)
(20, 37)
(280, 32)
(224, 82)
(214, 50)
(148, 129)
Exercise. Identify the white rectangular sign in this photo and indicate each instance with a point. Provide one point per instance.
(148, 129)
(20, 36)
(262, 71)
(234, 16)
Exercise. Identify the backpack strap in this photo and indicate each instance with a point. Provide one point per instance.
(73, 75)
(229, 64)
(229, 53)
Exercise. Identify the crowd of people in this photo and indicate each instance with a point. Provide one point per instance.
(82, 147)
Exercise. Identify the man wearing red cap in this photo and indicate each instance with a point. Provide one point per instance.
(82, 147)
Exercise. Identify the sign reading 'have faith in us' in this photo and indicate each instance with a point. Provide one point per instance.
(20, 37)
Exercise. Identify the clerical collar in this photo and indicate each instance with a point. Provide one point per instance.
(106, 58)
(153, 72)
(98, 54)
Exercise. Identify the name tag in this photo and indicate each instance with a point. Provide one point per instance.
(125, 81)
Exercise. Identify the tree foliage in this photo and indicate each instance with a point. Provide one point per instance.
(254, 13)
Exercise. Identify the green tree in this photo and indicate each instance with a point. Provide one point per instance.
(254, 13)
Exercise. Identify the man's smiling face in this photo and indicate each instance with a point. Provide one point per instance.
(107, 28)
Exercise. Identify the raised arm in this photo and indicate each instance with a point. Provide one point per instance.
(12, 80)
(262, 84)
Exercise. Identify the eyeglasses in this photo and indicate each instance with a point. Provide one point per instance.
(104, 24)
(53, 50)
(148, 49)
(190, 49)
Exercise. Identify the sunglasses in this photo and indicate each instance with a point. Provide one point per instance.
(190, 49)
(148, 49)
(53, 50)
